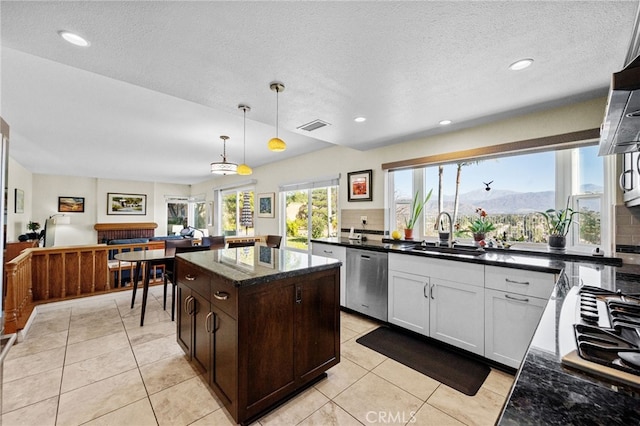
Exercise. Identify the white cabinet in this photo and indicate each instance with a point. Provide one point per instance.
(514, 302)
(457, 314)
(438, 298)
(334, 252)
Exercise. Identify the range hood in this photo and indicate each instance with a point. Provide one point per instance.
(620, 130)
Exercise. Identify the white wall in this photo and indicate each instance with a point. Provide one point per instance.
(20, 178)
(42, 191)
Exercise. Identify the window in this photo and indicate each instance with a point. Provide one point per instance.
(511, 189)
(191, 209)
(237, 212)
(318, 197)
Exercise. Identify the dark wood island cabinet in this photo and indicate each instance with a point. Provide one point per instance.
(263, 323)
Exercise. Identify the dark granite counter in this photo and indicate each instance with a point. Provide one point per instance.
(258, 264)
(545, 391)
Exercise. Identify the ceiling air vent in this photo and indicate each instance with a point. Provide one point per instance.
(314, 125)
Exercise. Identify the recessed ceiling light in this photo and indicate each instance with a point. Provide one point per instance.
(521, 64)
(360, 119)
(445, 122)
(73, 38)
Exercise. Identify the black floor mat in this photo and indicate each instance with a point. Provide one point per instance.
(455, 370)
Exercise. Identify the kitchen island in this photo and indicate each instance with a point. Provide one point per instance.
(262, 323)
(547, 390)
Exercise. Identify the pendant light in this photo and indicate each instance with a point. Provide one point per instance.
(223, 167)
(276, 144)
(244, 169)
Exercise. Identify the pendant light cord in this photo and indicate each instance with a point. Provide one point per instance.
(277, 111)
(244, 138)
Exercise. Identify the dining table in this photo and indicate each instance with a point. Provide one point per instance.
(150, 258)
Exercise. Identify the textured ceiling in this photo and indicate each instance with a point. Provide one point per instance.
(161, 81)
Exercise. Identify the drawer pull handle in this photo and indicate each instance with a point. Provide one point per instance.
(221, 295)
(526, 299)
(189, 277)
(516, 282)
(328, 251)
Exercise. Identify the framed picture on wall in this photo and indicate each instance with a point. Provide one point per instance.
(19, 193)
(359, 186)
(126, 204)
(71, 204)
(266, 206)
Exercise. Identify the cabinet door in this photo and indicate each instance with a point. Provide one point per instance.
(409, 301)
(184, 318)
(457, 314)
(334, 252)
(224, 350)
(510, 323)
(201, 350)
(317, 325)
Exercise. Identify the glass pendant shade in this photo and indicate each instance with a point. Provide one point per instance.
(244, 170)
(276, 144)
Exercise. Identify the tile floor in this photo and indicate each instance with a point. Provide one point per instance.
(89, 362)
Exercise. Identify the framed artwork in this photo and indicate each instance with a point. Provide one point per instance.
(360, 186)
(19, 193)
(126, 204)
(266, 206)
(71, 204)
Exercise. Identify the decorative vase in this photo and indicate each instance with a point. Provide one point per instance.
(477, 237)
(557, 242)
(408, 234)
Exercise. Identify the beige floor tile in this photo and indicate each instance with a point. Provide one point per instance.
(407, 378)
(157, 349)
(43, 328)
(340, 377)
(34, 344)
(97, 399)
(428, 415)
(30, 365)
(45, 313)
(361, 355)
(330, 415)
(150, 331)
(220, 417)
(41, 413)
(374, 400)
(93, 330)
(101, 308)
(347, 334)
(139, 413)
(95, 369)
(357, 323)
(167, 372)
(481, 409)
(499, 382)
(152, 314)
(31, 389)
(295, 410)
(96, 347)
(184, 403)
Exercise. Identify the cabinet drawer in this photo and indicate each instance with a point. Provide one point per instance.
(463, 272)
(224, 295)
(520, 281)
(193, 277)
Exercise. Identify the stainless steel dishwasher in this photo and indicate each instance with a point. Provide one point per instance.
(367, 282)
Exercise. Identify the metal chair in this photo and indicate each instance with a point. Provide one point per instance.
(170, 249)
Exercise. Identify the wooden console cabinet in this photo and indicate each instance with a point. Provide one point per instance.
(262, 342)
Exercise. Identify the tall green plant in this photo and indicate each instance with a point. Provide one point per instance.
(416, 208)
(559, 221)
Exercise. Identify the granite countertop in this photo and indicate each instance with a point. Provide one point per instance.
(545, 391)
(259, 264)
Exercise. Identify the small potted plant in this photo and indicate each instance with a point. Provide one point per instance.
(480, 226)
(416, 208)
(33, 227)
(558, 226)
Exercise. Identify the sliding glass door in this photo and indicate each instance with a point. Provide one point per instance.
(308, 214)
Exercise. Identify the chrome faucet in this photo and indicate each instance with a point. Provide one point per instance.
(449, 239)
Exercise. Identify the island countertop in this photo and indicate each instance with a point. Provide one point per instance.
(245, 266)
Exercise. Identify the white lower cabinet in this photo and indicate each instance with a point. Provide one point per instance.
(421, 300)
(339, 253)
(409, 301)
(511, 319)
(457, 314)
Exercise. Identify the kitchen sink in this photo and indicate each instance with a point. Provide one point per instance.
(458, 250)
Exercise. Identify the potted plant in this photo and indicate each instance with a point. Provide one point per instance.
(33, 227)
(416, 208)
(558, 225)
(480, 226)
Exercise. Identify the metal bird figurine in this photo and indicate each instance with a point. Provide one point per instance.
(488, 188)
